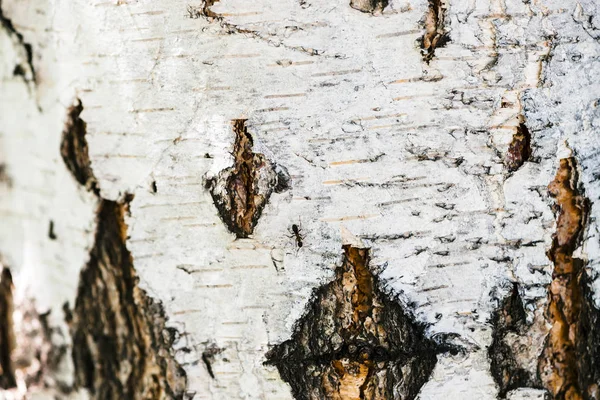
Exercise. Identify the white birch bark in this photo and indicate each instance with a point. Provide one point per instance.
(383, 149)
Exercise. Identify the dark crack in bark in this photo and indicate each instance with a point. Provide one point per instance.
(26, 70)
(7, 337)
(435, 29)
(121, 347)
(369, 6)
(241, 191)
(74, 149)
(205, 11)
(569, 364)
(354, 342)
(519, 149)
(511, 345)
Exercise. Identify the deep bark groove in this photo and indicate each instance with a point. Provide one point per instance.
(354, 342)
(569, 364)
(241, 191)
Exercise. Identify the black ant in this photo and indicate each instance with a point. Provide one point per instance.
(297, 235)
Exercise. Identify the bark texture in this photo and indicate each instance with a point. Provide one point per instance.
(176, 231)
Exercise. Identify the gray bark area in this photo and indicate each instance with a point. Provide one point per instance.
(425, 131)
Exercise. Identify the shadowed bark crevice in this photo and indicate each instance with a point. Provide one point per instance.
(241, 191)
(7, 338)
(510, 346)
(74, 149)
(435, 35)
(121, 347)
(354, 342)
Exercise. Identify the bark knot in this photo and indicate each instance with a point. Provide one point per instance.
(354, 342)
(241, 191)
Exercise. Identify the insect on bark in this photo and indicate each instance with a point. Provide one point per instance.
(296, 234)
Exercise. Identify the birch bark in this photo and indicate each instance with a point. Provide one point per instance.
(185, 187)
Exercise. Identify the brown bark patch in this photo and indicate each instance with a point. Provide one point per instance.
(568, 365)
(369, 6)
(519, 149)
(354, 342)
(435, 30)
(241, 191)
(7, 338)
(121, 347)
(207, 12)
(74, 149)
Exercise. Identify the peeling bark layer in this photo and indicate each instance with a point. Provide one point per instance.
(568, 365)
(435, 31)
(7, 339)
(241, 192)
(121, 347)
(354, 342)
(74, 149)
(519, 149)
(369, 6)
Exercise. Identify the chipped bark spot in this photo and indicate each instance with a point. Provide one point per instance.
(7, 337)
(519, 149)
(369, 6)
(241, 191)
(121, 348)
(435, 31)
(354, 342)
(566, 365)
(514, 346)
(74, 149)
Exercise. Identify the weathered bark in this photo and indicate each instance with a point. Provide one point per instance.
(358, 199)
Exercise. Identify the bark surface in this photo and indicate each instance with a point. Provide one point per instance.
(299, 199)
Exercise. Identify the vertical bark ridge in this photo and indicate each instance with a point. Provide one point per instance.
(568, 365)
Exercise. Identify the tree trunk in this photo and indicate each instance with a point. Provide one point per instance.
(300, 199)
